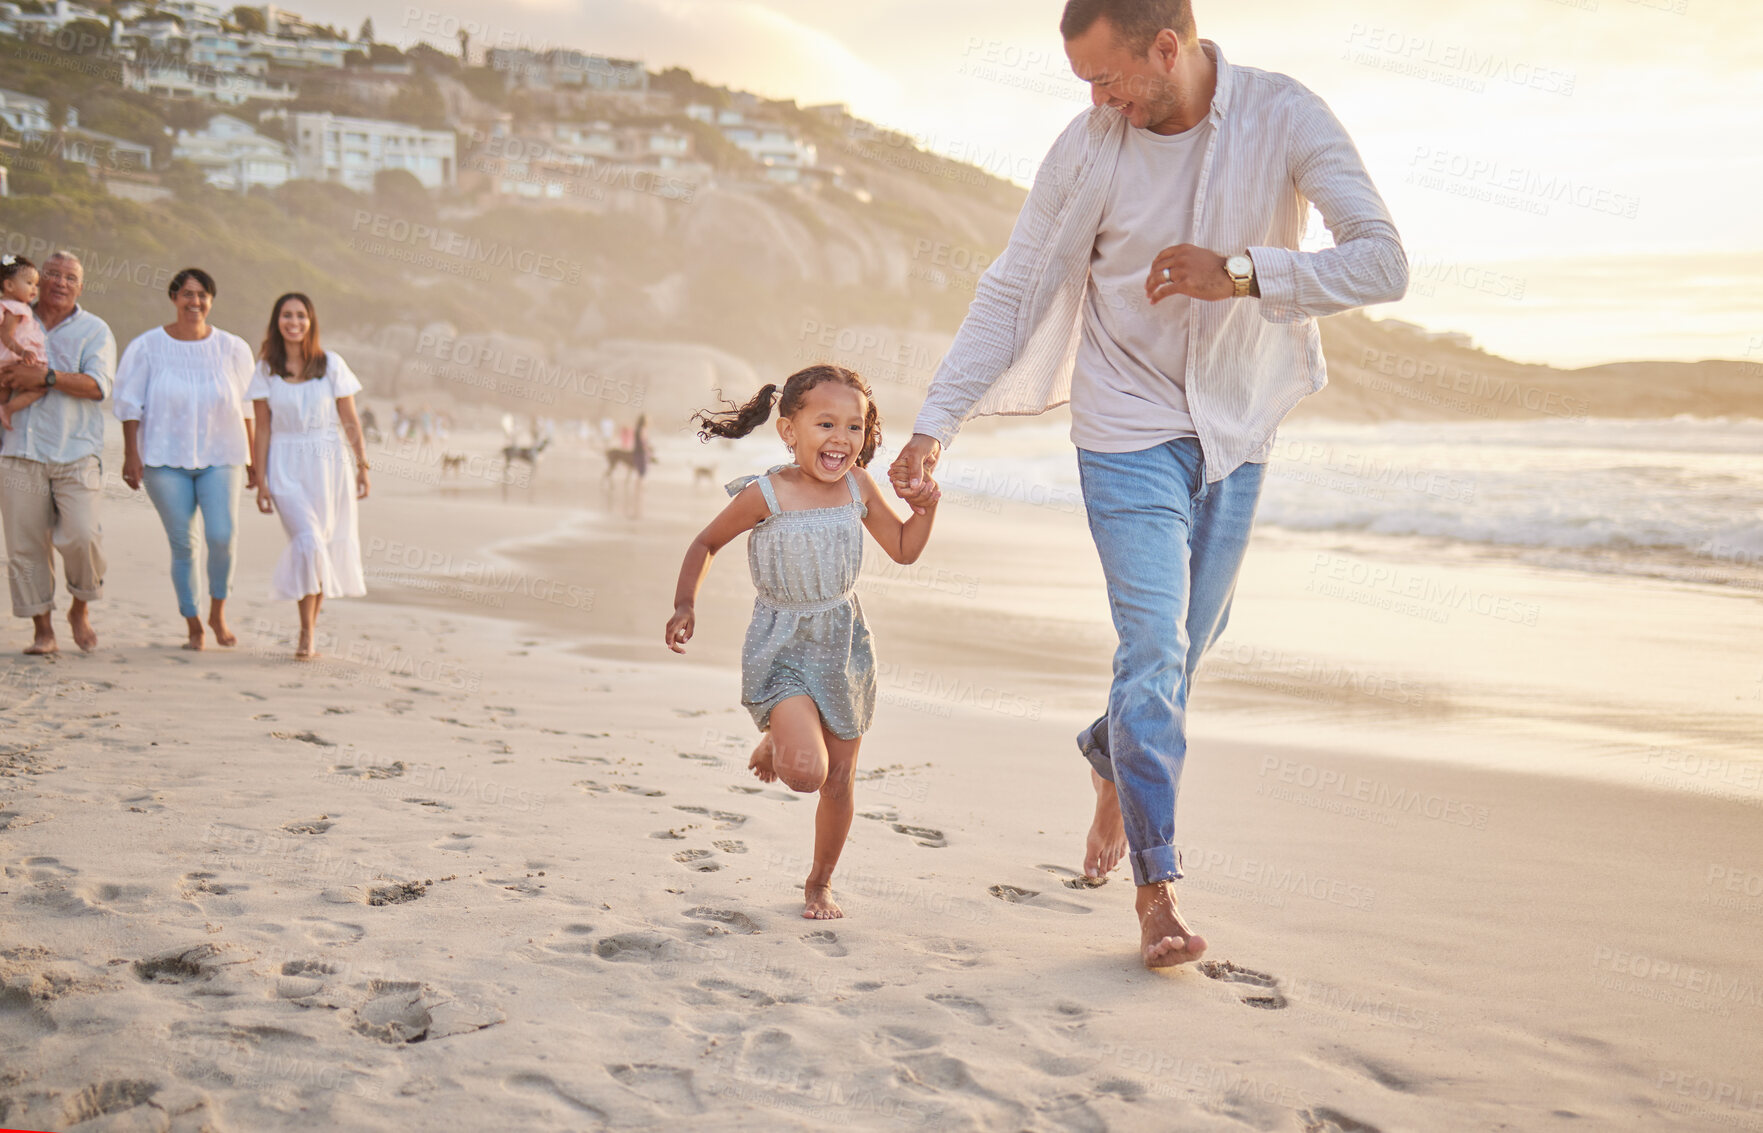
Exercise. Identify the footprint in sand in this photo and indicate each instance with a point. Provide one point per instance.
(101, 1099)
(882, 814)
(725, 820)
(739, 789)
(923, 835)
(670, 1087)
(303, 737)
(1229, 972)
(310, 826)
(1072, 879)
(634, 947)
(22, 1019)
(730, 846)
(1013, 895)
(323, 931)
(952, 953)
(575, 941)
(970, 1009)
(695, 859)
(433, 804)
(365, 771)
(455, 843)
(732, 921)
(676, 833)
(826, 943)
(397, 892)
(639, 789)
(1325, 1120)
(539, 1084)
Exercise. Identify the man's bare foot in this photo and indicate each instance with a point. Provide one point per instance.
(1106, 844)
(222, 635)
(198, 640)
(820, 904)
(1165, 940)
(80, 621)
(760, 764)
(43, 643)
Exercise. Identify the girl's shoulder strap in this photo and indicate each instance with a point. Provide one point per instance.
(856, 492)
(740, 484)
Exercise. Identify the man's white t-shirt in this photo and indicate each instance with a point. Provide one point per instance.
(1128, 391)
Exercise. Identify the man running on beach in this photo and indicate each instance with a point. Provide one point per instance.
(1153, 281)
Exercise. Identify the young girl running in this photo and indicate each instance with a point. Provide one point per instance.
(21, 335)
(808, 669)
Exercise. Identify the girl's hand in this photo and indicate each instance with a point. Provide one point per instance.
(679, 628)
(264, 503)
(361, 484)
(132, 468)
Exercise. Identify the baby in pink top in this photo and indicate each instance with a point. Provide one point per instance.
(21, 335)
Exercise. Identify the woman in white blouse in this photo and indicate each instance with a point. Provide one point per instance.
(304, 399)
(180, 394)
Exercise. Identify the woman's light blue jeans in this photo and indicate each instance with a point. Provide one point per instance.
(177, 494)
(1171, 546)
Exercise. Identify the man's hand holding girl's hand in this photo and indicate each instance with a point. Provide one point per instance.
(679, 628)
(910, 472)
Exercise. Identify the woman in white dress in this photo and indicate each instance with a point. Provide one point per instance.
(312, 464)
(186, 434)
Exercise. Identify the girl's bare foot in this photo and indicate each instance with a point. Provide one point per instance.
(5, 413)
(198, 640)
(820, 905)
(760, 764)
(306, 651)
(1106, 844)
(1165, 940)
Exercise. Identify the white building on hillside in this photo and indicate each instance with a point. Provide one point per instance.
(178, 80)
(775, 146)
(28, 116)
(232, 155)
(351, 150)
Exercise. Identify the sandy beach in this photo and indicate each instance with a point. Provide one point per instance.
(494, 862)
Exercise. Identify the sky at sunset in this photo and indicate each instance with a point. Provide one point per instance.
(1576, 181)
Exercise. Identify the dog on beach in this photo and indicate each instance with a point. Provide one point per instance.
(625, 458)
(529, 454)
(452, 463)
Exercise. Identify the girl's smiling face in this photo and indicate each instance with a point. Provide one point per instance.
(23, 286)
(293, 321)
(827, 431)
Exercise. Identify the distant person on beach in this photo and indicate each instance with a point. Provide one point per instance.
(21, 336)
(311, 463)
(1154, 281)
(180, 394)
(808, 669)
(640, 447)
(51, 478)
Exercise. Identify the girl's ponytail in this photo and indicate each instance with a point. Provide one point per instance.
(737, 420)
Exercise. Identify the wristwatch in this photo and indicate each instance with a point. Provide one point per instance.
(49, 380)
(1241, 270)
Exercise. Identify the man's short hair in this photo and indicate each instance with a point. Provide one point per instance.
(1136, 22)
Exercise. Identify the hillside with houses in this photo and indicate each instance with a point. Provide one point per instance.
(519, 224)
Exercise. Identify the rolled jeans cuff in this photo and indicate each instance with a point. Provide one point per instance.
(1154, 864)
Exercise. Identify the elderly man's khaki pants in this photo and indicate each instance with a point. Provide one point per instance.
(51, 505)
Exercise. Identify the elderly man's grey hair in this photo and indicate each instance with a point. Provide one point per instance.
(64, 254)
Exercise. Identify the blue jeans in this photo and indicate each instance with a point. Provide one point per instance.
(177, 494)
(1171, 546)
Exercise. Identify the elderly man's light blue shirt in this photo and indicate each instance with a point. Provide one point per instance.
(61, 429)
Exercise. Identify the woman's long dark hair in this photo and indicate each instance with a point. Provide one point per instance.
(275, 352)
(739, 420)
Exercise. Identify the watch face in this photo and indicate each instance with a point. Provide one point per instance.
(1240, 265)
